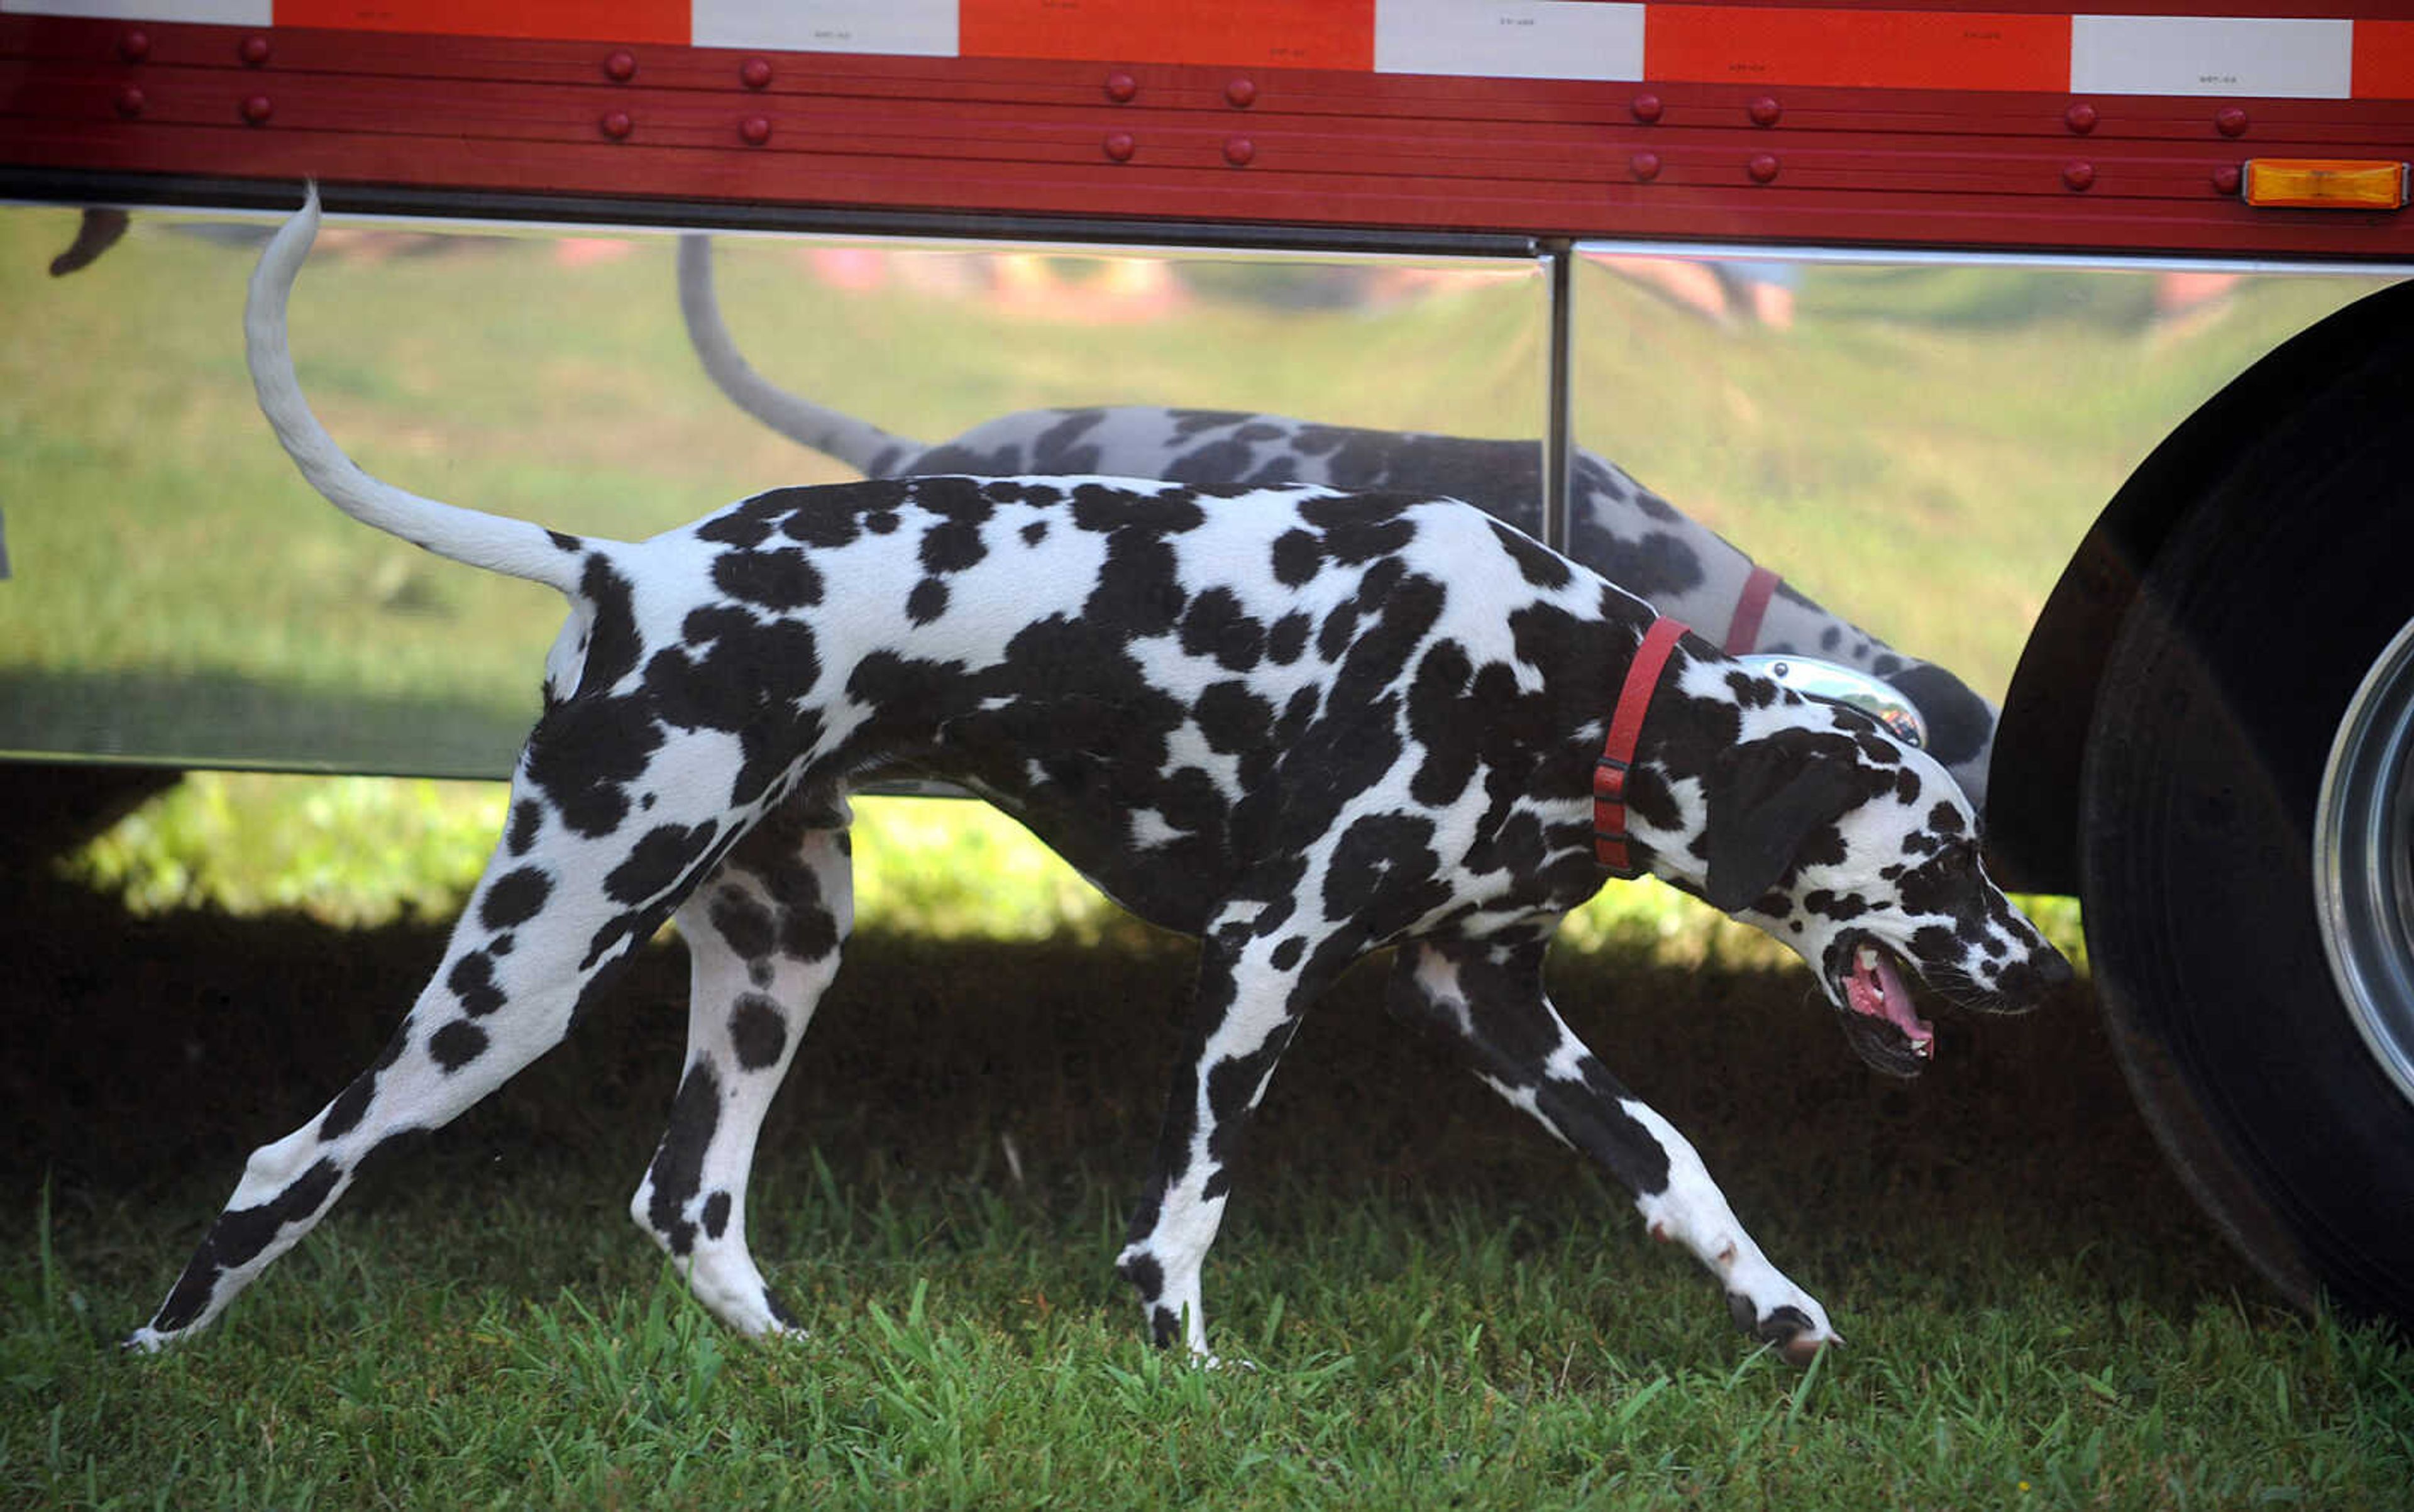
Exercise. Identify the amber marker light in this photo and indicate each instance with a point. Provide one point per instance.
(2323, 183)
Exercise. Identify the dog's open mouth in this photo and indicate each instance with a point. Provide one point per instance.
(1874, 990)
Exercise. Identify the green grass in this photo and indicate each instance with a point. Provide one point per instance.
(964, 1352)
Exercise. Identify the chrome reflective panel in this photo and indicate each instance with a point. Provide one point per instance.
(1915, 445)
(178, 595)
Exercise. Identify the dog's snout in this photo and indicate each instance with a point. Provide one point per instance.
(2026, 983)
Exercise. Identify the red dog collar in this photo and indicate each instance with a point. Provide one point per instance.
(1618, 750)
(1743, 631)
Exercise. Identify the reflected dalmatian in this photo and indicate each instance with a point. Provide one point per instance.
(1299, 724)
(1616, 527)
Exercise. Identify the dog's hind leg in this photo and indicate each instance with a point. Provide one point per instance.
(1487, 997)
(1252, 989)
(763, 934)
(547, 927)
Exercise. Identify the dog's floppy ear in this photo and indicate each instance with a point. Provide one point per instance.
(1765, 800)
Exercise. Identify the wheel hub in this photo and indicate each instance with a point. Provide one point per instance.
(2364, 860)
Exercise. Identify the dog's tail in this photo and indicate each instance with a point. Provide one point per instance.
(858, 443)
(493, 541)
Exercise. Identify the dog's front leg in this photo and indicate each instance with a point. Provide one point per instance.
(763, 934)
(1251, 992)
(1486, 996)
(552, 918)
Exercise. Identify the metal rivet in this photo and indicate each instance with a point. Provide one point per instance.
(620, 66)
(2229, 121)
(2080, 118)
(1645, 165)
(756, 130)
(1764, 111)
(1762, 168)
(2077, 175)
(1121, 87)
(1647, 108)
(1241, 93)
(617, 125)
(135, 45)
(254, 50)
(258, 108)
(1238, 151)
(1119, 145)
(130, 102)
(756, 74)
(2226, 178)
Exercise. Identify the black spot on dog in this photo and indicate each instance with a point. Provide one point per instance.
(1143, 1272)
(344, 1112)
(927, 601)
(1138, 590)
(1298, 557)
(472, 980)
(661, 856)
(237, 1239)
(1383, 873)
(757, 1032)
(1059, 449)
(1288, 639)
(527, 817)
(1442, 725)
(1537, 563)
(677, 1171)
(1287, 955)
(456, 1044)
(582, 753)
(827, 524)
(1214, 625)
(716, 1215)
(1234, 719)
(612, 643)
(736, 527)
(1034, 532)
(514, 898)
(951, 545)
(745, 925)
(779, 580)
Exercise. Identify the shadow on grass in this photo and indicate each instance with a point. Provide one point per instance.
(147, 1055)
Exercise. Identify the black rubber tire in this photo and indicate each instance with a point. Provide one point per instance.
(2221, 696)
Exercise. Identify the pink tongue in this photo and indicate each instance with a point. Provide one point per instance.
(1878, 993)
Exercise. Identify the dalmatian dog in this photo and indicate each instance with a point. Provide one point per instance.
(1296, 724)
(1618, 527)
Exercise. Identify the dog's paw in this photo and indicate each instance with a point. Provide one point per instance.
(1798, 1331)
(146, 1341)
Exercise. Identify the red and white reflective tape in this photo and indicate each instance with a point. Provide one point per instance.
(2066, 53)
